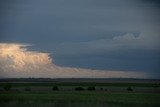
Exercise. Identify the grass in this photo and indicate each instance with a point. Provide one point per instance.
(41, 94)
(139, 99)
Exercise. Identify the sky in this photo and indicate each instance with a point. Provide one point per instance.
(94, 36)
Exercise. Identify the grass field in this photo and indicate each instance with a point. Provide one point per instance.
(92, 98)
(104, 95)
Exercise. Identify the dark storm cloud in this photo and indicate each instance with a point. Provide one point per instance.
(98, 34)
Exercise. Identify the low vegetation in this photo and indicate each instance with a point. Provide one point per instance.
(79, 95)
(7, 86)
(55, 88)
(121, 99)
(85, 84)
(129, 89)
(27, 89)
(79, 88)
(91, 88)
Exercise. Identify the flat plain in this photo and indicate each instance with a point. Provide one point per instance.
(79, 93)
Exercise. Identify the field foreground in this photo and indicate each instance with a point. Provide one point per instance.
(104, 94)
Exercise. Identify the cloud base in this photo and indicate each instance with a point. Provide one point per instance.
(18, 62)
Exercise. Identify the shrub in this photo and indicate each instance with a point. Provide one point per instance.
(27, 89)
(106, 89)
(91, 88)
(156, 85)
(7, 86)
(129, 89)
(101, 89)
(79, 88)
(55, 88)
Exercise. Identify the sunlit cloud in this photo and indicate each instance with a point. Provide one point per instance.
(18, 62)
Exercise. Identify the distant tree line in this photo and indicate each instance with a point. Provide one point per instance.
(8, 86)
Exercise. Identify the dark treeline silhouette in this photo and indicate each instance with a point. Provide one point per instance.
(74, 80)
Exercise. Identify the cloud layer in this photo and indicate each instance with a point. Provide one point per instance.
(119, 35)
(18, 62)
(146, 40)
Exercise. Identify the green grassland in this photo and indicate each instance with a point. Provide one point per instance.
(117, 99)
(39, 94)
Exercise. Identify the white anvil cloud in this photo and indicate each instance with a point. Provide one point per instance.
(18, 62)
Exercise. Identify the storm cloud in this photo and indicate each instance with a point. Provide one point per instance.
(17, 62)
(93, 34)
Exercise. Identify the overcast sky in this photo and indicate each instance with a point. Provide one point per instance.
(95, 34)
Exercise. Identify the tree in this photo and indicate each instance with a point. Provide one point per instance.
(101, 89)
(7, 86)
(129, 89)
(79, 88)
(55, 88)
(91, 88)
(27, 89)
